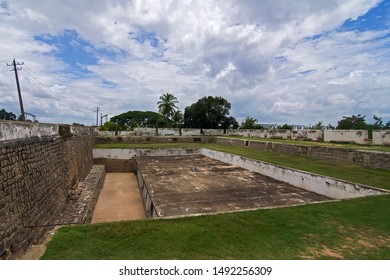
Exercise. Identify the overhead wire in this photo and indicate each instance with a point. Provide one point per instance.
(29, 75)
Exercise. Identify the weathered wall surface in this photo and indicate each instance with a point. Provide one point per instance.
(153, 139)
(356, 136)
(381, 137)
(349, 156)
(39, 166)
(330, 187)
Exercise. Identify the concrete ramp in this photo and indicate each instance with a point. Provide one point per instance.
(119, 199)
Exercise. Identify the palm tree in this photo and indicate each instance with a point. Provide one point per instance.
(167, 105)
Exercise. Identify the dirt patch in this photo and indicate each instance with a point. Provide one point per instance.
(352, 242)
(327, 252)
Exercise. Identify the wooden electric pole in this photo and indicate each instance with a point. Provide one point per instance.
(14, 64)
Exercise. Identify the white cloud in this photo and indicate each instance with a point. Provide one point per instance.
(261, 56)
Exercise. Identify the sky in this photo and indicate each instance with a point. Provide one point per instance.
(278, 61)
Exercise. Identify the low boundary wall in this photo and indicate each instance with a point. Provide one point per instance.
(349, 156)
(324, 185)
(378, 137)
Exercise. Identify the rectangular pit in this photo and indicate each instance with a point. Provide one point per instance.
(177, 182)
(196, 184)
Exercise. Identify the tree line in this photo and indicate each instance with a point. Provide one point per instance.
(214, 112)
(208, 112)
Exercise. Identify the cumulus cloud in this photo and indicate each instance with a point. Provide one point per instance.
(277, 61)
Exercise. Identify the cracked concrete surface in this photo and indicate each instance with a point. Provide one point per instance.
(195, 184)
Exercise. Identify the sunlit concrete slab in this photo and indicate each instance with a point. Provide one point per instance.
(195, 184)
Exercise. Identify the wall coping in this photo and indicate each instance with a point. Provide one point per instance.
(13, 130)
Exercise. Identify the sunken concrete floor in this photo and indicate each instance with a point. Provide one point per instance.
(195, 184)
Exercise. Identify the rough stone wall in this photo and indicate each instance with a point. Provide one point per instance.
(117, 165)
(36, 175)
(348, 156)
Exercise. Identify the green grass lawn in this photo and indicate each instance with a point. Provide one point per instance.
(349, 229)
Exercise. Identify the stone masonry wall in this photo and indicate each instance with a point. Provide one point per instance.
(37, 173)
(348, 156)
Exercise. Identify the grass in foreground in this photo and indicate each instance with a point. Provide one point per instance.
(349, 229)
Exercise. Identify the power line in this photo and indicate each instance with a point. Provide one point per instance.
(35, 81)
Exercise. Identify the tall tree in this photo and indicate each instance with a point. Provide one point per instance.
(133, 119)
(167, 105)
(353, 122)
(250, 123)
(209, 112)
(178, 119)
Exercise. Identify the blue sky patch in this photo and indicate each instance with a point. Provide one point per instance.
(377, 18)
(143, 36)
(76, 52)
(109, 84)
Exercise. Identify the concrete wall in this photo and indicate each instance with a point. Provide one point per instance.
(10, 130)
(141, 131)
(126, 154)
(169, 131)
(356, 136)
(153, 139)
(306, 134)
(148, 202)
(190, 132)
(213, 131)
(115, 133)
(381, 137)
(330, 187)
(341, 155)
(40, 164)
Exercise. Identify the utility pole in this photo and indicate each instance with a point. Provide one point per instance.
(101, 118)
(97, 115)
(14, 64)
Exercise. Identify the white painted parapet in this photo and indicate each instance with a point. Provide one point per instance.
(12, 130)
(131, 153)
(327, 186)
(356, 136)
(190, 131)
(169, 132)
(381, 137)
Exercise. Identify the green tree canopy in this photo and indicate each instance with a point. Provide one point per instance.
(353, 122)
(209, 112)
(285, 126)
(133, 119)
(167, 105)
(4, 115)
(250, 123)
